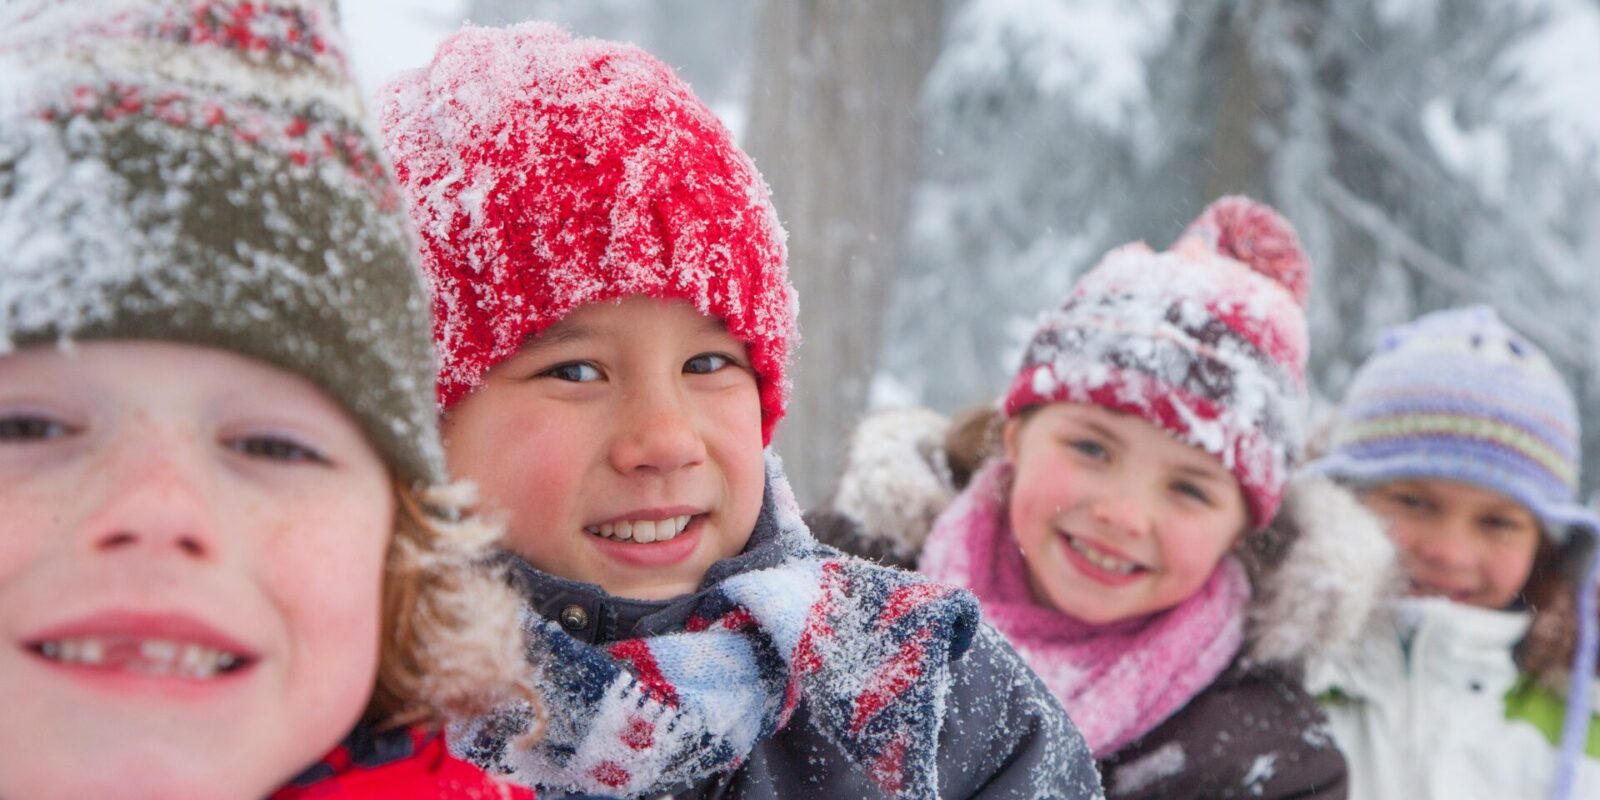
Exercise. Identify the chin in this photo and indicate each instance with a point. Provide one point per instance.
(96, 775)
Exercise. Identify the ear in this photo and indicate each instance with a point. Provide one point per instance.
(1009, 435)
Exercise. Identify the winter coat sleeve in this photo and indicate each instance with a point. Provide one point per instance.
(1255, 733)
(1005, 736)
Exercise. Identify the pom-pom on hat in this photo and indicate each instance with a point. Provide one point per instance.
(1206, 341)
(199, 172)
(546, 172)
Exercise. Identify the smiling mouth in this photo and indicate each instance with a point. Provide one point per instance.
(642, 531)
(171, 658)
(1102, 559)
(1421, 589)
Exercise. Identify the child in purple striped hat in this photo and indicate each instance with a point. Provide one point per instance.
(1463, 439)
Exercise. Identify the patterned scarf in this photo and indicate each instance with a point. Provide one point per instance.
(1117, 681)
(867, 649)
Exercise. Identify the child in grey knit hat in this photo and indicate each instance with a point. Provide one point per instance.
(224, 543)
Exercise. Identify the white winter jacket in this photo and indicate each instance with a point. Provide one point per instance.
(1420, 708)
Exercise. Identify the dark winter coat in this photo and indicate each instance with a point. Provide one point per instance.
(1254, 732)
(396, 765)
(1318, 574)
(1003, 736)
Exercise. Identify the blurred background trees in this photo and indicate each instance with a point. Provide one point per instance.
(946, 169)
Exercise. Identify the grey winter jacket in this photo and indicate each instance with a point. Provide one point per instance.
(1004, 735)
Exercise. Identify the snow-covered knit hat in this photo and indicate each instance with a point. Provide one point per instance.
(545, 172)
(1207, 341)
(1458, 395)
(198, 172)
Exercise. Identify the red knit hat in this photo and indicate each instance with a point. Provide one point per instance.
(1206, 341)
(546, 172)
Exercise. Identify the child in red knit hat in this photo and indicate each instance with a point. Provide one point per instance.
(614, 320)
(1139, 462)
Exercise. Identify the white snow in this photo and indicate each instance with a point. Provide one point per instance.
(1161, 763)
(1262, 769)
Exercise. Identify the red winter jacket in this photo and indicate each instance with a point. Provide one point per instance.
(398, 765)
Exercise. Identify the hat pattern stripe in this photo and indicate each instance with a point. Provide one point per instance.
(1557, 435)
(1460, 426)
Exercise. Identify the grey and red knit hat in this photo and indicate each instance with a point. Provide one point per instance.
(1206, 341)
(545, 172)
(198, 172)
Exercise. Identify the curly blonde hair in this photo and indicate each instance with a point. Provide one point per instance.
(452, 639)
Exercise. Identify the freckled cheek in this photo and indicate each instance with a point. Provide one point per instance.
(322, 570)
(26, 524)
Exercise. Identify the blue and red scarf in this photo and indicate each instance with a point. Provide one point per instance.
(867, 649)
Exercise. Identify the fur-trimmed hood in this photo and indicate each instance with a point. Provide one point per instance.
(1319, 572)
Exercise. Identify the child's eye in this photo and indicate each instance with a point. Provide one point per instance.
(30, 428)
(706, 363)
(1500, 526)
(1089, 448)
(1410, 502)
(1192, 490)
(277, 448)
(575, 371)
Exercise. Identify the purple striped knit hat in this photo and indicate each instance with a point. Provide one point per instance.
(1458, 395)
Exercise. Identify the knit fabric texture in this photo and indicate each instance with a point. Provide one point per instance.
(197, 172)
(545, 172)
(1458, 395)
(1207, 341)
(867, 649)
(1118, 681)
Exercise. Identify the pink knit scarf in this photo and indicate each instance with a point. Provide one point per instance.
(1118, 681)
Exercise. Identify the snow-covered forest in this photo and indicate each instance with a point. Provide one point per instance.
(946, 169)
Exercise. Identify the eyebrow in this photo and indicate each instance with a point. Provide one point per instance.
(558, 334)
(1203, 473)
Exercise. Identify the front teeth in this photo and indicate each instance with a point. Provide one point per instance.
(1100, 559)
(150, 656)
(642, 531)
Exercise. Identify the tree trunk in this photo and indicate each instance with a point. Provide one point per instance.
(834, 128)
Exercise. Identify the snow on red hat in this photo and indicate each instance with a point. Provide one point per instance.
(1206, 341)
(545, 172)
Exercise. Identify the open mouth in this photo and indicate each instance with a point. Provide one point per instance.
(642, 531)
(156, 657)
(1100, 559)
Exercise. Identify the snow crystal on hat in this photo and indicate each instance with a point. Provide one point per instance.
(1207, 341)
(199, 172)
(546, 172)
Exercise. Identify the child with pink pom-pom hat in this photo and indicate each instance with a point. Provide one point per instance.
(1129, 522)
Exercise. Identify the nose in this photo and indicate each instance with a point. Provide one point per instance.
(657, 434)
(153, 500)
(1122, 513)
(1445, 546)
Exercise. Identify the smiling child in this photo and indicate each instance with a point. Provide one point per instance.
(615, 322)
(228, 568)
